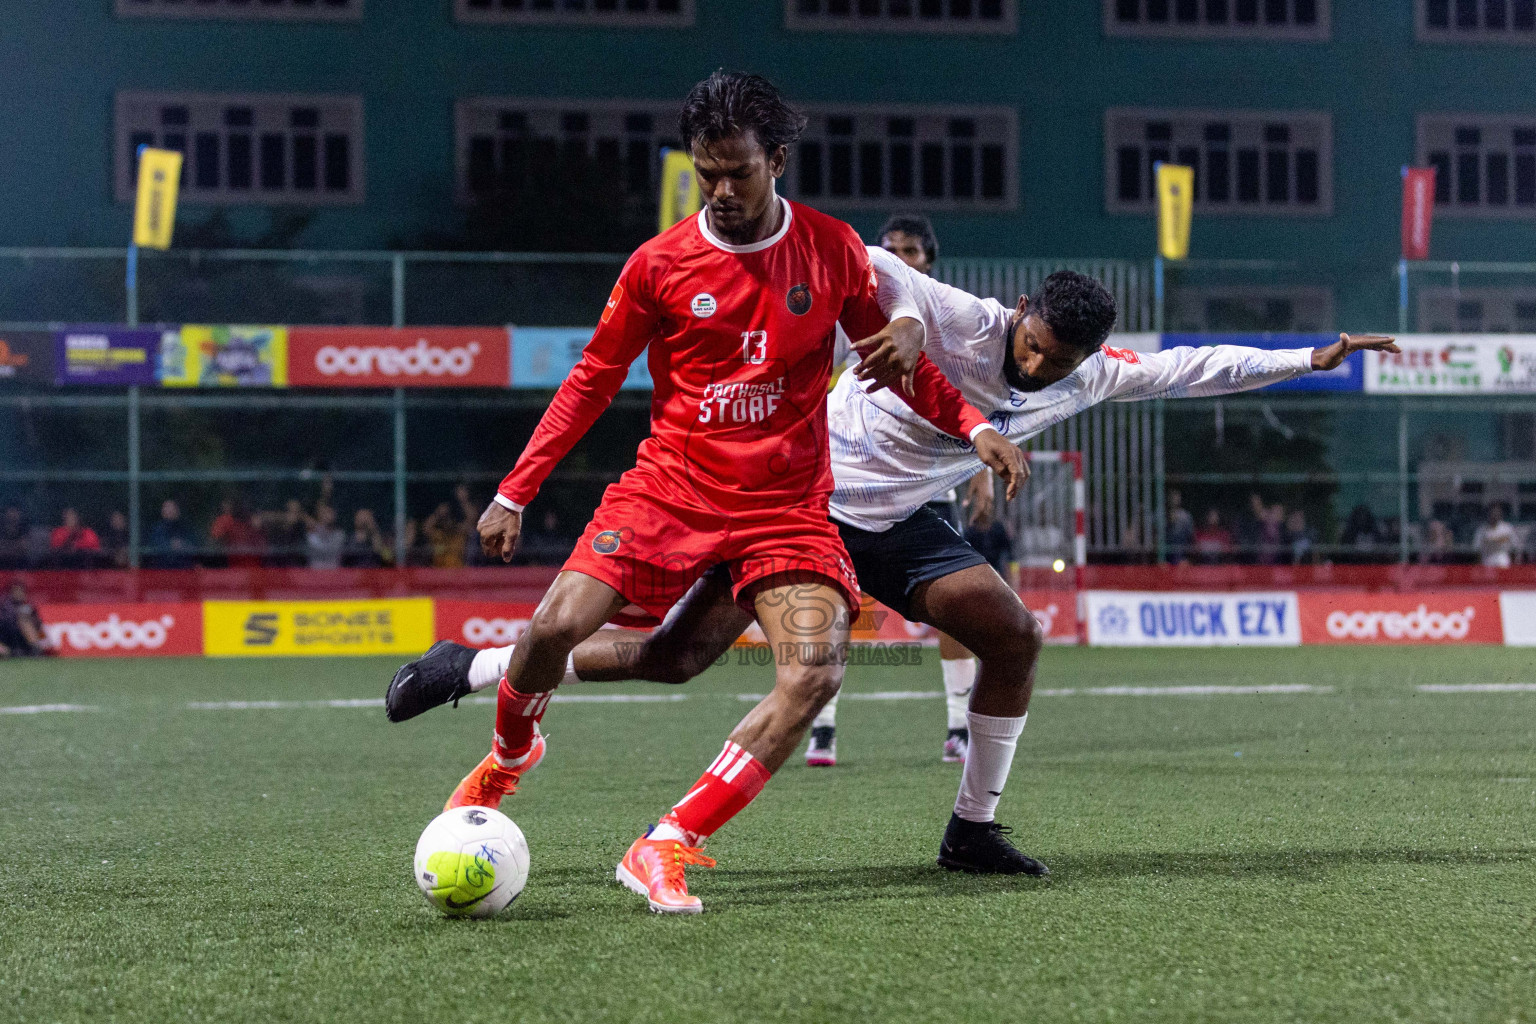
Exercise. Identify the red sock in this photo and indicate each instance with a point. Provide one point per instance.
(516, 716)
(722, 791)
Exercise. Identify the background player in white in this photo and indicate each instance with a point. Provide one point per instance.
(910, 238)
(1026, 368)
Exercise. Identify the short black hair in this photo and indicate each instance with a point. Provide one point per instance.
(730, 103)
(916, 225)
(1078, 310)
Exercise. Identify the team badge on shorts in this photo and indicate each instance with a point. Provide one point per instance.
(704, 305)
(607, 542)
(799, 299)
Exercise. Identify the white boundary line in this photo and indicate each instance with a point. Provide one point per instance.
(40, 709)
(1477, 688)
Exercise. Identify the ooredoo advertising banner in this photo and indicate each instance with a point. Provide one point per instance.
(108, 355)
(244, 628)
(483, 623)
(1373, 617)
(1123, 618)
(123, 630)
(225, 356)
(387, 357)
(26, 357)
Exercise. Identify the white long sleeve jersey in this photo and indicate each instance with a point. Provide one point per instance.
(887, 461)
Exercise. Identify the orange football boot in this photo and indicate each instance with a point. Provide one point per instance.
(654, 869)
(489, 781)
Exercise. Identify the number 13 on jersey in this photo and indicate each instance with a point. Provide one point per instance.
(754, 347)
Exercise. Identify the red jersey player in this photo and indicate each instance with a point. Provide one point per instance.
(737, 309)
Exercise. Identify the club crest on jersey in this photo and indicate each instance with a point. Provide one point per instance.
(607, 542)
(798, 299)
(704, 305)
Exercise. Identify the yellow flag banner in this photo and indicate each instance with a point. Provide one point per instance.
(1175, 199)
(154, 215)
(679, 188)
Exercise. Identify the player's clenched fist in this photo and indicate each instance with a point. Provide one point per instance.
(1002, 458)
(499, 528)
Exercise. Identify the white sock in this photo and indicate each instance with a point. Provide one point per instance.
(488, 667)
(828, 715)
(491, 664)
(959, 678)
(666, 831)
(986, 764)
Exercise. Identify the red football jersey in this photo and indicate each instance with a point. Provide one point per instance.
(741, 342)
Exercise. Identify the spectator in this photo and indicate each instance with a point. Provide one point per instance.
(73, 545)
(114, 542)
(288, 532)
(13, 539)
(1271, 533)
(21, 630)
(1213, 541)
(1361, 531)
(238, 536)
(171, 543)
(325, 540)
(446, 534)
(1439, 544)
(366, 547)
(1299, 539)
(469, 516)
(990, 537)
(1248, 531)
(1495, 540)
(1181, 529)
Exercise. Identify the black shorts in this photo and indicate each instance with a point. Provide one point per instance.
(920, 548)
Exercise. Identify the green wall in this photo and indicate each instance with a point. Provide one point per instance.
(410, 60)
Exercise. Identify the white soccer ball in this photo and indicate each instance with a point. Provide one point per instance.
(472, 862)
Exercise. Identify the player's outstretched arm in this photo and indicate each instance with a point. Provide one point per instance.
(1004, 458)
(1213, 370)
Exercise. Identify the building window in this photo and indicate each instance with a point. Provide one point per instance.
(1485, 165)
(1304, 20)
(1495, 310)
(264, 10)
(631, 13)
(959, 16)
(936, 158)
(1248, 309)
(1476, 21)
(261, 148)
(506, 143)
(1246, 162)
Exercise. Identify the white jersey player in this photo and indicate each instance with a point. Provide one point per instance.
(1025, 368)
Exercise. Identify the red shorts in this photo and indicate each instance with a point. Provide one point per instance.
(651, 549)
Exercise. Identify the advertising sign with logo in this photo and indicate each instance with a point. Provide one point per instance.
(236, 628)
(483, 623)
(1518, 610)
(1349, 376)
(26, 357)
(123, 630)
(1455, 364)
(108, 355)
(1370, 617)
(204, 356)
(1124, 618)
(542, 357)
(387, 357)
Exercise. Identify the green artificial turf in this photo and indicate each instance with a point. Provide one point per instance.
(1365, 854)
